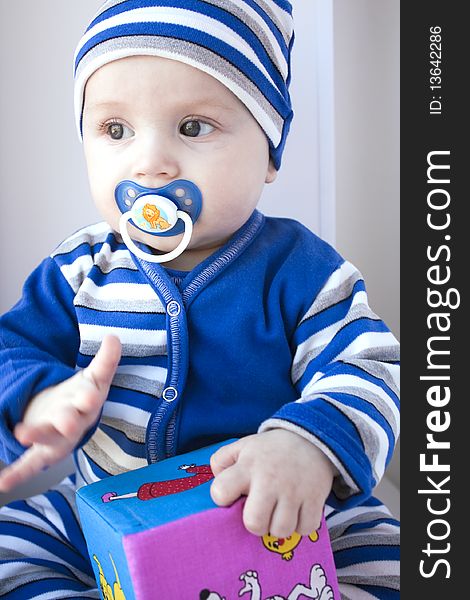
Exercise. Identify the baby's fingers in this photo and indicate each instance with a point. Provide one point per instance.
(102, 368)
(66, 426)
(310, 517)
(258, 511)
(229, 485)
(32, 462)
(284, 519)
(44, 433)
(227, 455)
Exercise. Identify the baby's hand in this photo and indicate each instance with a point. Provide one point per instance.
(287, 480)
(57, 418)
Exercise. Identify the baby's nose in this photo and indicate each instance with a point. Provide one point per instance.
(156, 159)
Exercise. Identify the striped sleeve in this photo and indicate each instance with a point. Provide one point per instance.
(38, 347)
(346, 371)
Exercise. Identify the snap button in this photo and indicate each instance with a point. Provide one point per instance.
(170, 394)
(173, 308)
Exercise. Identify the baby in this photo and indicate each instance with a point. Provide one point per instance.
(134, 342)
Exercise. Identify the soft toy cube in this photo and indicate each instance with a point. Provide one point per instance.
(155, 533)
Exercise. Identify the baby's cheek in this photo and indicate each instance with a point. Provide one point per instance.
(108, 209)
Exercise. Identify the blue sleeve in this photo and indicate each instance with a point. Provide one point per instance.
(39, 342)
(346, 372)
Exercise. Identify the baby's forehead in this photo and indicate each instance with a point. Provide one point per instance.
(162, 81)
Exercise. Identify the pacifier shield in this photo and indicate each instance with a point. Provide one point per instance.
(153, 210)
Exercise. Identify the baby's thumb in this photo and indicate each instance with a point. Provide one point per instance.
(102, 368)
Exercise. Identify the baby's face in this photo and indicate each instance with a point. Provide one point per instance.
(154, 120)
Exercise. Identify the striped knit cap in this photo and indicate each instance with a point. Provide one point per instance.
(245, 44)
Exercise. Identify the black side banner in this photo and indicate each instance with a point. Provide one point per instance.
(434, 304)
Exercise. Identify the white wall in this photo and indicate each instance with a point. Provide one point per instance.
(367, 86)
(44, 190)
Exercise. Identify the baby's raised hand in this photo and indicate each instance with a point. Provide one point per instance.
(287, 480)
(57, 418)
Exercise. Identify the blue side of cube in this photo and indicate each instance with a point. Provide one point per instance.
(131, 515)
(106, 552)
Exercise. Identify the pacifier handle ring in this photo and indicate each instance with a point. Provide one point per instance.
(157, 258)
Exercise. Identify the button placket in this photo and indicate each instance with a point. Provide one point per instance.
(161, 440)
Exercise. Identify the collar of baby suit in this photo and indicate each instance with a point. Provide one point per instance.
(210, 268)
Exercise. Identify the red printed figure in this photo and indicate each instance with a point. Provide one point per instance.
(156, 489)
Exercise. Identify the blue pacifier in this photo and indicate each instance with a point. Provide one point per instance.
(165, 211)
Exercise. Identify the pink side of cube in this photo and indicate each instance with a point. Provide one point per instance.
(213, 551)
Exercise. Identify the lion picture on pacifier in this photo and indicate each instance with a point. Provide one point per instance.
(152, 215)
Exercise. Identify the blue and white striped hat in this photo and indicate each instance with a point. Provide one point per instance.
(245, 44)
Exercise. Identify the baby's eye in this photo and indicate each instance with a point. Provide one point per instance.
(118, 131)
(195, 128)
